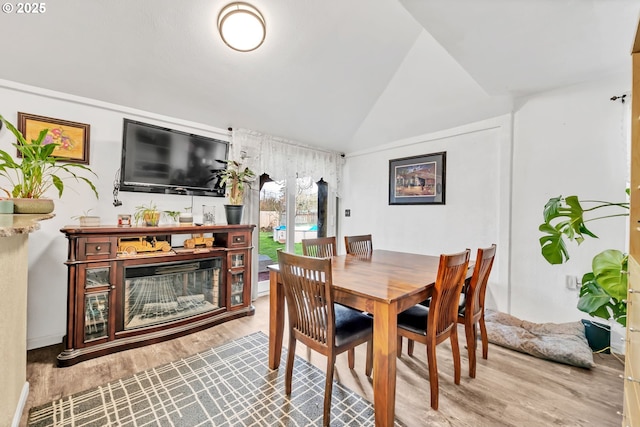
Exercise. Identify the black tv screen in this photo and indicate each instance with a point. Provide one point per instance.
(161, 160)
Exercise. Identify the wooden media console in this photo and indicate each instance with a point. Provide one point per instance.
(133, 286)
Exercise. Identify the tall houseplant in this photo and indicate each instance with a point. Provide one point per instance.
(37, 170)
(237, 179)
(603, 289)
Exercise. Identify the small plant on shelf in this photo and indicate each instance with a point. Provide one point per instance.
(149, 214)
(87, 220)
(236, 178)
(174, 215)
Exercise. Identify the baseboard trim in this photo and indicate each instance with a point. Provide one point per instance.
(45, 341)
(21, 404)
(263, 288)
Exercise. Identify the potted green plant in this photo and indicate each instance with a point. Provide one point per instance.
(604, 289)
(149, 214)
(36, 172)
(237, 179)
(87, 220)
(174, 215)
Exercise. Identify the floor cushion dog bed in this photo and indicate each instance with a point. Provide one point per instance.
(560, 342)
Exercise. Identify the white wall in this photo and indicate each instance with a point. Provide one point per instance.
(47, 293)
(476, 209)
(569, 141)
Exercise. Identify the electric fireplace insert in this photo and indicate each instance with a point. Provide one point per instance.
(161, 293)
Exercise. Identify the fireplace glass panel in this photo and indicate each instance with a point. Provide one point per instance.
(159, 294)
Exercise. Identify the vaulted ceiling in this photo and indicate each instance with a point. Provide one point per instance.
(344, 75)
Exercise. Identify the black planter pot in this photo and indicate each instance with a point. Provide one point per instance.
(234, 213)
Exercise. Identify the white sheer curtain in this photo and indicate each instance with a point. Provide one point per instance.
(281, 158)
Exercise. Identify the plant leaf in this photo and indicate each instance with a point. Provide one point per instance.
(552, 246)
(13, 130)
(551, 208)
(609, 268)
(594, 300)
(57, 182)
(90, 184)
(620, 313)
(576, 215)
(564, 217)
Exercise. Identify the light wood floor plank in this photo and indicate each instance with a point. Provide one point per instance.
(511, 389)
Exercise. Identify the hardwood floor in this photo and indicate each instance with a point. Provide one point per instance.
(511, 389)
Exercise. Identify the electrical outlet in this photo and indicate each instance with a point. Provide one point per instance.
(572, 282)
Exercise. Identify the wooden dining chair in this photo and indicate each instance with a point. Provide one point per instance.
(358, 245)
(317, 322)
(471, 311)
(321, 247)
(434, 324)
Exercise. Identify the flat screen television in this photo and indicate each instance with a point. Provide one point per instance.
(156, 159)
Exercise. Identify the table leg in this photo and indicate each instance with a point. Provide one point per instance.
(276, 320)
(385, 343)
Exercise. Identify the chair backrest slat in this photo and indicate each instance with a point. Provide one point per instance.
(358, 245)
(443, 310)
(321, 247)
(478, 284)
(307, 283)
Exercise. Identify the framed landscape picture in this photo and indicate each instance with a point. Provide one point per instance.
(418, 180)
(72, 137)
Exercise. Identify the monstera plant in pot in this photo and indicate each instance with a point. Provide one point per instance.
(604, 289)
(237, 179)
(29, 178)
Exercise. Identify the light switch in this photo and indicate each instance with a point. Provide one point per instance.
(347, 212)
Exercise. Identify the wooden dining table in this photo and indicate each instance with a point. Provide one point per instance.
(384, 284)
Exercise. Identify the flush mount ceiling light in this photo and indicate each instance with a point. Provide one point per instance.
(241, 26)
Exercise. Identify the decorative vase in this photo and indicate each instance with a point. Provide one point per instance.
(185, 218)
(32, 206)
(234, 213)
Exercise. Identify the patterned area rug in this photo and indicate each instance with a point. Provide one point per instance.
(230, 385)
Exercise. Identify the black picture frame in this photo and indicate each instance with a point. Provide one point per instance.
(418, 180)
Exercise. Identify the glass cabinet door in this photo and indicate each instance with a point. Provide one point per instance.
(96, 277)
(237, 288)
(237, 260)
(96, 315)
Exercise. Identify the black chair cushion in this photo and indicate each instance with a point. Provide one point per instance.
(414, 319)
(461, 305)
(351, 324)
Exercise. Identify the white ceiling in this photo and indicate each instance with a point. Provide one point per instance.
(344, 75)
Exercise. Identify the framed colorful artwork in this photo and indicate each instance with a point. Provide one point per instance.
(418, 180)
(72, 137)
